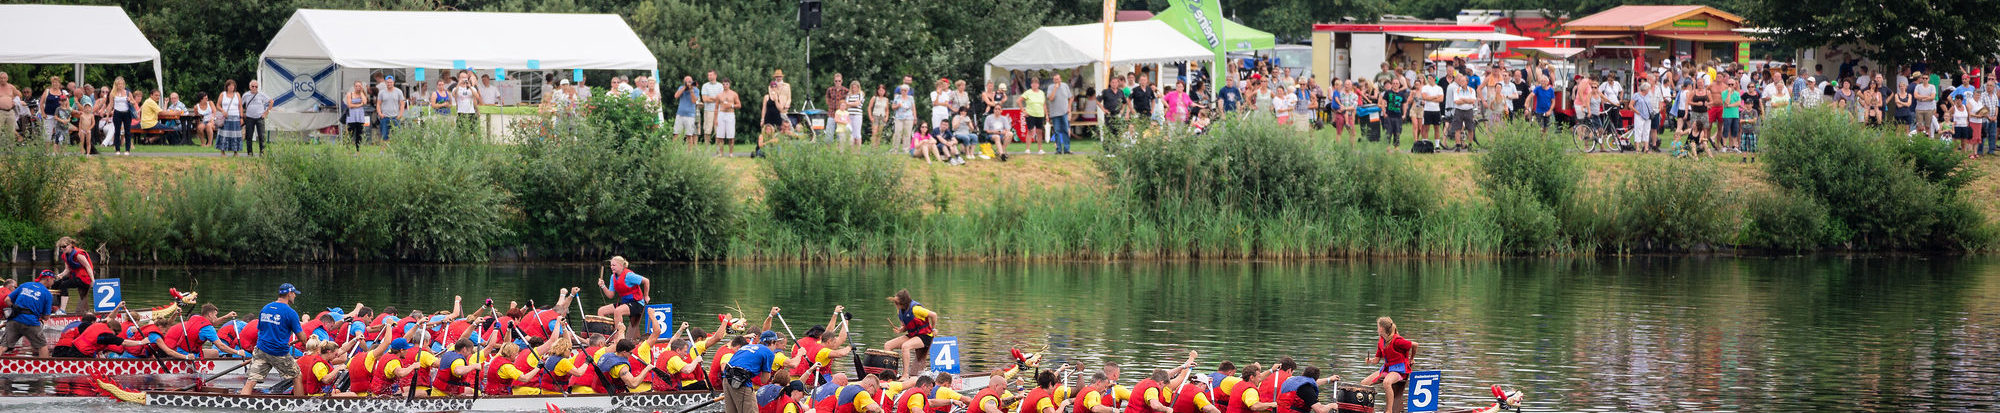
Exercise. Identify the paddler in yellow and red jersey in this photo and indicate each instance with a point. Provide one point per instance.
(917, 325)
(859, 397)
(816, 353)
(316, 369)
(458, 370)
(681, 360)
(917, 399)
(1192, 396)
(995, 397)
(1244, 397)
(1042, 399)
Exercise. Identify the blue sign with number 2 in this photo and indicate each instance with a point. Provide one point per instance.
(1424, 391)
(944, 355)
(107, 294)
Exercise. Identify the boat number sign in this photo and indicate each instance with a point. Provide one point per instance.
(107, 293)
(1424, 391)
(661, 315)
(944, 355)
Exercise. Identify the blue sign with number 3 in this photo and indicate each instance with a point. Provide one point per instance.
(660, 314)
(944, 355)
(106, 294)
(1424, 391)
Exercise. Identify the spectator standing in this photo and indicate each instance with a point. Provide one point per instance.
(1061, 104)
(9, 112)
(941, 105)
(711, 99)
(489, 92)
(836, 96)
(1925, 94)
(390, 103)
(853, 111)
(1230, 95)
(466, 97)
(783, 91)
(230, 105)
(1177, 103)
(1464, 100)
(1142, 98)
(255, 106)
(903, 109)
(440, 99)
(878, 114)
(1989, 97)
(1111, 107)
(725, 119)
(1432, 97)
(1544, 101)
(1642, 115)
(1034, 107)
(357, 96)
(686, 123)
(773, 117)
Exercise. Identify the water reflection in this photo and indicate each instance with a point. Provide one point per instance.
(1690, 334)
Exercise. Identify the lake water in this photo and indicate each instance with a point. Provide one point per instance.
(1610, 335)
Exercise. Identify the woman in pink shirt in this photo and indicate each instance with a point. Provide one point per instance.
(1177, 102)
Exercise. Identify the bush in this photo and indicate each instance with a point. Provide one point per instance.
(582, 189)
(1523, 155)
(210, 217)
(1938, 162)
(624, 122)
(1671, 205)
(453, 209)
(21, 234)
(829, 192)
(128, 222)
(1790, 222)
(347, 202)
(1879, 192)
(1526, 224)
(33, 182)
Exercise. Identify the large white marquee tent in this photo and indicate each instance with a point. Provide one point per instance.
(52, 34)
(318, 54)
(1065, 47)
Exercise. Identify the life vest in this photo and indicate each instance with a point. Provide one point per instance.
(86, 342)
(186, 336)
(1138, 402)
(912, 324)
(805, 350)
(844, 402)
(311, 381)
(494, 385)
(144, 334)
(361, 373)
(536, 323)
(979, 399)
(631, 293)
(776, 405)
(722, 356)
(1236, 396)
(445, 380)
(420, 376)
(402, 327)
(383, 383)
(227, 334)
(933, 395)
(78, 263)
(1288, 394)
(246, 337)
(525, 363)
(1106, 397)
(824, 401)
(68, 338)
(376, 323)
(457, 330)
(1184, 399)
(1267, 390)
(550, 381)
(309, 327)
(1035, 397)
(680, 378)
(1221, 396)
(903, 403)
(583, 372)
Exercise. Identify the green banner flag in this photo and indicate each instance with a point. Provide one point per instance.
(1206, 15)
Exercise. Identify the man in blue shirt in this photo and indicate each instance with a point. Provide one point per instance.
(277, 326)
(1230, 96)
(751, 361)
(686, 114)
(1545, 99)
(29, 302)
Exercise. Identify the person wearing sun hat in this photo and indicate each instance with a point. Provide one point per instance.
(28, 303)
(277, 326)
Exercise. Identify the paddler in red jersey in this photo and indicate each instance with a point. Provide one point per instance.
(916, 324)
(1244, 397)
(317, 370)
(817, 350)
(1300, 394)
(1192, 396)
(1097, 396)
(1042, 399)
(1394, 353)
(628, 292)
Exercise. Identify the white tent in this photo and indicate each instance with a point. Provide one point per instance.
(48, 34)
(318, 53)
(1064, 47)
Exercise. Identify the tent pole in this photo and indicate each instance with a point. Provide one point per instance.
(76, 73)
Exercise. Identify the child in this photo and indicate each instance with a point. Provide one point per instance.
(1749, 130)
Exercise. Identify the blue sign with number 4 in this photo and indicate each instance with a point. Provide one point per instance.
(106, 294)
(660, 314)
(1424, 391)
(944, 355)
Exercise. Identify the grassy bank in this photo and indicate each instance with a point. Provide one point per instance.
(612, 184)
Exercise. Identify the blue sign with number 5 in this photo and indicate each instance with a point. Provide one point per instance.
(106, 294)
(944, 355)
(1424, 391)
(660, 314)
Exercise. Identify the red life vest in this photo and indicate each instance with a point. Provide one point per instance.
(186, 337)
(246, 339)
(549, 380)
(68, 338)
(453, 332)
(1104, 398)
(536, 323)
(694, 374)
(311, 381)
(525, 365)
(1268, 389)
(420, 376)
(933, 395)
(776, 405)
(227, 334)
(805, 351)
(494, 384)
(903, 403)
(979, 399)
(1138, 402)
(376, 323)
(844, 401)
(1184, 399)
(1035, 397)
(384, 383)
(1236, 396)
(715, 367)
(449, 382)
(361, 373)
(826, 404)
(79, 265)
(625, 293)
(583, 371)
(402, 326)
(912, 324)
(145, 334)
(86, 342)
(309, 327)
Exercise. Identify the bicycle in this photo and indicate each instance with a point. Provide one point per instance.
(1601, 132)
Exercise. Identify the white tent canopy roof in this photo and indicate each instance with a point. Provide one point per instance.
(85, 34)
(396, 39)
(1472, 36)
(1135, 42)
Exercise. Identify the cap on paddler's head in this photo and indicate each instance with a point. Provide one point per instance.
(796, 386)
(287, 288)
(768, 337)
(400, 344)
(45, 274)
(337, 313)
(1200, 378)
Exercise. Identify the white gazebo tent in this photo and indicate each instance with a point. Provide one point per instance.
(82, 35)
(308, 65)
(1067, 47)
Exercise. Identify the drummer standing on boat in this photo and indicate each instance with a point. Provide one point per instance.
(1394, 353)
(277, 326)
(628, 291)
(77, 273)
(27, 304)
(917, 328)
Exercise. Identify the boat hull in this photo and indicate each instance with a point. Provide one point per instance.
(673, 402)
(112, 367)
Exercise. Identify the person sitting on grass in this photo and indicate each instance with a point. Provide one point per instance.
(997, 132)
(924, 144)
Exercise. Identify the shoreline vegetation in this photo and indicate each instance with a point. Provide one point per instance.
(610, 184)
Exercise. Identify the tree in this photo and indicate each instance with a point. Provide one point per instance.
(1942, 32)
